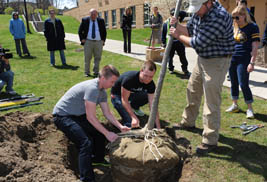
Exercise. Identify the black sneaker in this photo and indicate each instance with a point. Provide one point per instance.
(205, 148)
(103, 162)
(186, 73)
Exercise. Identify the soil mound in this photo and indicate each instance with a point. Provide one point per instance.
(31, 149)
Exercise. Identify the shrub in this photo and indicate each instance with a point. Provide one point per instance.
(9, 10)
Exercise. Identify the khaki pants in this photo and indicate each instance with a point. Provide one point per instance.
(91, 48)
(207, 79)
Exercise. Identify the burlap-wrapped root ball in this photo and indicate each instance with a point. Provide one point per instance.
(153, 158)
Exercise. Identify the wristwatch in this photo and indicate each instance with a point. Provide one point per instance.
(252, 63)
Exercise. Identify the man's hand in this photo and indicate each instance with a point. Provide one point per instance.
(135, 123)
(250, 68)
(174, 32)
(173, 20)
(111, 136)
(103, 42)
(124, 128)
(83, 41)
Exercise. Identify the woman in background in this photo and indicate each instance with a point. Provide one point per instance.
(127, 21)
(247, 38)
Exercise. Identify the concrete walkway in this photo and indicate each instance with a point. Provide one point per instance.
(257, 77)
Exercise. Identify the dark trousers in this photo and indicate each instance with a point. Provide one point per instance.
(239, 76)
(180, 49)
(89, 142)
(136, 100)
(24, 46)
(127, 39)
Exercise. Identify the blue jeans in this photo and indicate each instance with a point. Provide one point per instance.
(136, 100)
(8, 78)
(239, 76)
(62, 57)
(88, 141)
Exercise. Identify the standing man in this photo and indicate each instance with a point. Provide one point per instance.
(75, 115)
(132, 90)
(92, 33)
(156, 23)
(210, 33)
(55, 35)
(177, 46)
(17, 29)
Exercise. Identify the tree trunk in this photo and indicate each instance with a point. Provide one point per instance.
(154, 110)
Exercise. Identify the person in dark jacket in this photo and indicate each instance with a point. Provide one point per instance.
(176, 45)
(127, 21)
(17, 29)
(92, 36)
(6, 75)
(55, 34)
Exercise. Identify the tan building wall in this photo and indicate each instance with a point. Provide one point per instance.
(260, 11)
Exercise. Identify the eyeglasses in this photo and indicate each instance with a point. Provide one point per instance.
(235, 17)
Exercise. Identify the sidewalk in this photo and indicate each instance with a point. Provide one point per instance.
(257, 77)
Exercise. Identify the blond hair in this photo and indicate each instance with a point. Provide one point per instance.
(240, 10)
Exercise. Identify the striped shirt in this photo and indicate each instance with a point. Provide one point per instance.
(212, 35)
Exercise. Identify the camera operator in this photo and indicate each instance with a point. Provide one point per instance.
(6, 75)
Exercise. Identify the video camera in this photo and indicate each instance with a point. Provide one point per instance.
(4, 52)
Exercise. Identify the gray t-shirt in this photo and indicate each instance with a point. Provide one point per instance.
(72, 102)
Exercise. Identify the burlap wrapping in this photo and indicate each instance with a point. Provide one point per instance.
(130, 162)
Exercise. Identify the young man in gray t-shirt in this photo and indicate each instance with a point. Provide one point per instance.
(75, 115)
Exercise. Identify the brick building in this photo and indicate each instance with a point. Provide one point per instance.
(112, 10)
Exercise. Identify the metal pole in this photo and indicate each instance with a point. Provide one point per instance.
(26, 17)
(154, 109)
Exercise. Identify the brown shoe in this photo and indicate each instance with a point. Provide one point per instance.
(204, 148)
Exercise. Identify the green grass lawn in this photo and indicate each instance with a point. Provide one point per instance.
(238, 159)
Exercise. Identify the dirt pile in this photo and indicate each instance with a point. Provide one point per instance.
(31, 149)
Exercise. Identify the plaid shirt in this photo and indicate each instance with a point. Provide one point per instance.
(212, 35)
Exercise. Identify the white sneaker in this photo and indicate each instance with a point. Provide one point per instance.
(250, 114)
(138, 112)
(233, 108)
(12, 92)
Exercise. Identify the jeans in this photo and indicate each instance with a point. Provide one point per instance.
(126, 38)
(8, 78)
(180, 49)
(62, 56)
(136, 100)
(240, 76)
(24, 46)
(87, 139)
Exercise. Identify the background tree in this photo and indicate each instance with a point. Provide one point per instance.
(9, 10)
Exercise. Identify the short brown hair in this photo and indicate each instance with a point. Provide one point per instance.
(108, 71)
(150, 65)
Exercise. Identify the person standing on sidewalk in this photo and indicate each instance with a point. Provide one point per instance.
(92, 34)
(55, 35)
(156, 23)
(210, 33)
(177, 46)
(75, 115)
(247, 39)
(132, 90)
(17, 29)
(127, 21)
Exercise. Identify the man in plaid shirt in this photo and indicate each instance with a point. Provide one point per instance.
(210, 33)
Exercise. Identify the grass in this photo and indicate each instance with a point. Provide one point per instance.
(238, 159)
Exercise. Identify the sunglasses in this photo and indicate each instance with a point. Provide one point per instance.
(235, 17)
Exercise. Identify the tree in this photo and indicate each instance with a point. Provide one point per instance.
(9, 10)
(165, 6)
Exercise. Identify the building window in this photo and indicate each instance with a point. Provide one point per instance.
(86, 1)
(147, 8)
(106, 18)
(114, 19)
(121, 14)
(134, 15)
(100, 14)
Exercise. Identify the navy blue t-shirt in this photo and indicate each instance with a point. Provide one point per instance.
(244, 38)
(130, 81)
